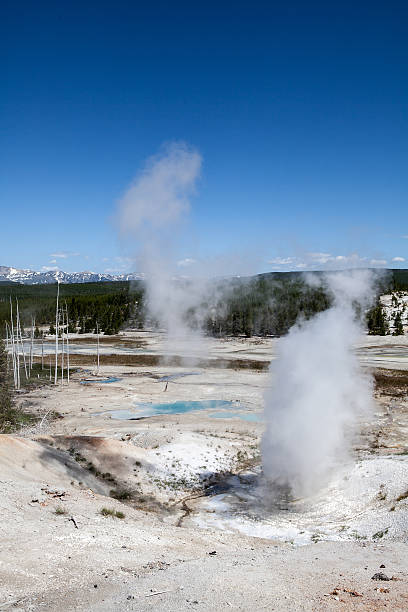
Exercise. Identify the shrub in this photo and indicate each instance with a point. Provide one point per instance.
(120, 494)
(112, 512)
(11, 418)
(108, 512)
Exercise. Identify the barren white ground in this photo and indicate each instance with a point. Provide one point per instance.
(176, 548)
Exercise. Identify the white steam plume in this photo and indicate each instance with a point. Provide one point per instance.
(152, 212)
(159, 196)
(318, 392)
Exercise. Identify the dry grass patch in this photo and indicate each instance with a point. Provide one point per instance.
(112, 512)
(391, 382)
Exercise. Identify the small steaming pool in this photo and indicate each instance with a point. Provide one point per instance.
(171, 377)
(222, 407)
(253, 417)
(103, 381)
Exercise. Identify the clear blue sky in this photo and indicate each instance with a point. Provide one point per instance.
(300, 111)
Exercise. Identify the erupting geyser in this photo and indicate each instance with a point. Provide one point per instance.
(318, 391)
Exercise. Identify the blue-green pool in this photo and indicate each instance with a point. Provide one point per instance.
(180, 407)
(100, 381)
(223, 408)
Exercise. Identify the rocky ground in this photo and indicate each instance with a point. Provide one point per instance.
(107, 514)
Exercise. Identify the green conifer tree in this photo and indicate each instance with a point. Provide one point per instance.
(398, 328)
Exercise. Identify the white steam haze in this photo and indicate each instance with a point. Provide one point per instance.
(318, 392)
(153, 212)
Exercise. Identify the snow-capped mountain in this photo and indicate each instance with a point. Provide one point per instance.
(30, 277)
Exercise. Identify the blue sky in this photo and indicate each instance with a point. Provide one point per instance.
(299, 110)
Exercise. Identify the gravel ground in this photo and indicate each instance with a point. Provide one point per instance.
(60, 553)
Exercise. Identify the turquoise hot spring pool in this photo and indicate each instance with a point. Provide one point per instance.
(223, 409)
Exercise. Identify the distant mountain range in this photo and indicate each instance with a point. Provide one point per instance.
(30, 277)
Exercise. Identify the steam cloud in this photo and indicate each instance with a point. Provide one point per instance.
(159, 197)
(319, 390)
(153, 212)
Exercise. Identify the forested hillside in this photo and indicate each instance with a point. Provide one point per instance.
(110, 304)
(267, 304)
(398, 280)
(263, 305)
